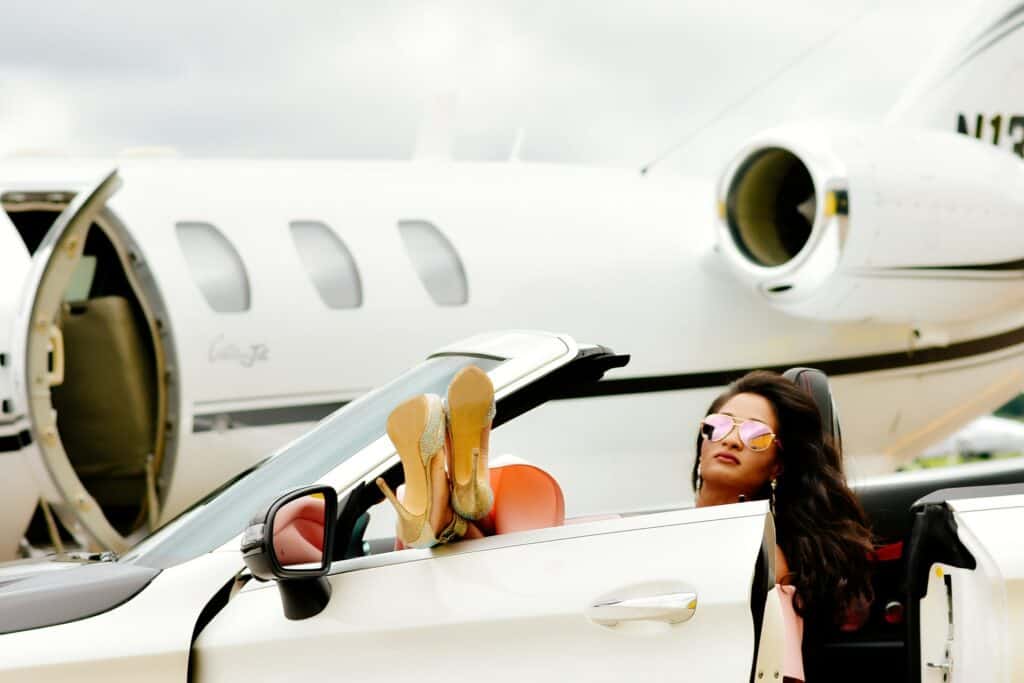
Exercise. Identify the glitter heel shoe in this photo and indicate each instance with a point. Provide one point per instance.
(470, 409)
(416, 428)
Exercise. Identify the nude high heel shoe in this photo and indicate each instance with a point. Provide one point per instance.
(416, 428)
(470, 409)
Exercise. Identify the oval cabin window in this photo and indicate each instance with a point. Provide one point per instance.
(216, 267)
(436, 261)
(328, 263)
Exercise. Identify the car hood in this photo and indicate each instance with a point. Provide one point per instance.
(38, 593)
(19, 569)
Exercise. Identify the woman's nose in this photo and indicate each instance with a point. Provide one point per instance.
(733, 439)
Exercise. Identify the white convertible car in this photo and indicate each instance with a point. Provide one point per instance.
(678, 594)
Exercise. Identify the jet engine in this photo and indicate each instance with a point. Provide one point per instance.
(840, 222)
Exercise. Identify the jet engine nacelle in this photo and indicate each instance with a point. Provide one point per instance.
(841, 222)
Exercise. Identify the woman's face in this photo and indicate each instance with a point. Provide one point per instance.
(731, 464)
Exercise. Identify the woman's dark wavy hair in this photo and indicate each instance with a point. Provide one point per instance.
(820, 525)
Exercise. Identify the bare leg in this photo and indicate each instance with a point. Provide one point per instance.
(473, 531)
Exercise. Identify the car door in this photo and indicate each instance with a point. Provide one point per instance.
(967, 566)
(661, 596)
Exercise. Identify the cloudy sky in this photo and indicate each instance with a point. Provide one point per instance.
(582, 82)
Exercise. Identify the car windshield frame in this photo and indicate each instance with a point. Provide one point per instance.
(223, 514)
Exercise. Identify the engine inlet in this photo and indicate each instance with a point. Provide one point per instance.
(771, 206)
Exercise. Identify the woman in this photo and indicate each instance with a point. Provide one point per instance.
(763, 439)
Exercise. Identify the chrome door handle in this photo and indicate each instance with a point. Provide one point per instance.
(671, 608)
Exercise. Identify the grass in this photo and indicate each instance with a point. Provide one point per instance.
(936, 461)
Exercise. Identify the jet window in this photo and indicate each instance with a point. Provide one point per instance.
(216, 267)
(328, 263)
(436, 262)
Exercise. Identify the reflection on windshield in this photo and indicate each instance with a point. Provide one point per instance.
(223, 514)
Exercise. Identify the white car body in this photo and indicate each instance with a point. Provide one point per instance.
(982, 641)
(505, 606)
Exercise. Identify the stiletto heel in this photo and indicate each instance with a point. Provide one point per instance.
(470, 410)
(416, 428)
(406, 517)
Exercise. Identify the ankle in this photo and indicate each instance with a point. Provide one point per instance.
(447, 514)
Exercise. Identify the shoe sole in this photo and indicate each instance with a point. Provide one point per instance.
(470, 397)
(405, 426)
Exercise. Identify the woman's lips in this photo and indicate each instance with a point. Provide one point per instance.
(726, 457)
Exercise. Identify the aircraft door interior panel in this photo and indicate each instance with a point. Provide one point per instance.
(109, 402)
(106, 407)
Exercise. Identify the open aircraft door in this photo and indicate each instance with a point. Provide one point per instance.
(37, 363)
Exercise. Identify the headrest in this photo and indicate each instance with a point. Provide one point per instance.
(815, 383)
(525, 497)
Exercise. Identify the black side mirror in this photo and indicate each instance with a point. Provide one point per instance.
(291, 543)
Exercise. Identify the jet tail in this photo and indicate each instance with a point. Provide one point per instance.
(974, 87)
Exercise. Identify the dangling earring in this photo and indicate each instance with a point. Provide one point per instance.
(700, 480)
(775, 483)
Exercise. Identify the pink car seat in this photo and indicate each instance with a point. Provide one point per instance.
(299, 532)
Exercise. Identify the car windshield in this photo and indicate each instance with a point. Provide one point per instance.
(223, 514)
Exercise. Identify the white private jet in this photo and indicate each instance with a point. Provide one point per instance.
(167, 326)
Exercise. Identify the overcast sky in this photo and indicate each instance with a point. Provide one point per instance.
(586, 82)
